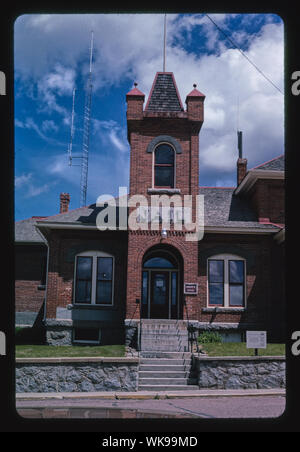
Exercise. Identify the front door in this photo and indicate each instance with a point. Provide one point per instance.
(159, 294)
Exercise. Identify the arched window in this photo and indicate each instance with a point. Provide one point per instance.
(94, 276)
(226, 276)
(164, 164)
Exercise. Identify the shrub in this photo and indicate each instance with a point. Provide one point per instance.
(209, 337)
(29, 335)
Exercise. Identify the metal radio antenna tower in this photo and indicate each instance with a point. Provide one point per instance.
(86, 131)
(72, 129)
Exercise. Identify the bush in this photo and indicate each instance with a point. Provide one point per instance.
(209, 337)
(30, 335)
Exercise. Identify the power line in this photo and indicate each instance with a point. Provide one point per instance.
(244, 55)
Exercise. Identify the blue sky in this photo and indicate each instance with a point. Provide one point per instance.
(52, 57)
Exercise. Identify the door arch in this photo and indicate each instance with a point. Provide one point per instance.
(161, 285)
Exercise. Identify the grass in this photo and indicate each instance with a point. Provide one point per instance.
(52, 351)
(239, 349)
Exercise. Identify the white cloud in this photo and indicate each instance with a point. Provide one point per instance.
(22, 180)
(130, 47)
(29, 188)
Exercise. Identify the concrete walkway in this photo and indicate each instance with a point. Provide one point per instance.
(151, 394)
(210, 404)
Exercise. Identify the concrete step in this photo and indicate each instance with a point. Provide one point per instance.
(164, 368)
(163, 340)
(163, 333)
(168, 388)
(162, 381)
(158, 362)
(165, 355)
(163, 374)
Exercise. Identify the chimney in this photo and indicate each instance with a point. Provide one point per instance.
(64, 202)
(241, 162)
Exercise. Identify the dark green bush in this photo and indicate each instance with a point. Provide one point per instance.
(208, 337)
(30, 335)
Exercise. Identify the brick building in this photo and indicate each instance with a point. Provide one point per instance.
(100, 283)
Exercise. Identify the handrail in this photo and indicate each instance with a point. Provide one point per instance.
(191, 330)
(129, 325)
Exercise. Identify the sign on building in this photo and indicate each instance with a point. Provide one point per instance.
(190, 288)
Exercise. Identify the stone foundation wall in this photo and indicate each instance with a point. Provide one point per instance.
(260, 372)
(76, 374)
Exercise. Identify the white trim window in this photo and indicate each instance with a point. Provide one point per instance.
(94, 278)
(226, 281)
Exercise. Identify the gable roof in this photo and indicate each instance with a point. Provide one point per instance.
(25, 231)
(164, 95)
(222, 208)
(276, 164)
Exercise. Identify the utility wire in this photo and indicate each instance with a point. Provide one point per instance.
(237, 47)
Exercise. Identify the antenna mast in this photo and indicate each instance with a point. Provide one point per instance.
(164, 53)
(72, 129)
(86, 131)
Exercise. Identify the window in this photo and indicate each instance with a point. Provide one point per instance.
(94, 273)
(164, 157)
(226, 281)
(86, 335)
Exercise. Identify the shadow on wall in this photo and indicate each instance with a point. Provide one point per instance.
(34, 335)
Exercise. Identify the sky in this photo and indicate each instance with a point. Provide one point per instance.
(51, 58)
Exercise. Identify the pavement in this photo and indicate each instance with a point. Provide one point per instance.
(151, 394)
(261, 403)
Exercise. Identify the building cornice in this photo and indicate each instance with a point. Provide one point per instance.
(253, 175)
(207, 229)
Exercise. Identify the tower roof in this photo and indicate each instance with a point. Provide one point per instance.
(195, 92)
(164, 95)
(135, 92)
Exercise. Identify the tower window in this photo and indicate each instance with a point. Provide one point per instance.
(164, 166)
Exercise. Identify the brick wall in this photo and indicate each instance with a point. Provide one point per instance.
(64, 245)
(256, 250)
(30, 263)
(267, 198)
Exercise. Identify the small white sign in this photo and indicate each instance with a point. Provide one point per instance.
(256, 339)
(190, 289)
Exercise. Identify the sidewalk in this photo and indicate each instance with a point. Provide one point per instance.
(143, 395)
(208, 404)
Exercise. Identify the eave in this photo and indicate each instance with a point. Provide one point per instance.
(253, 175)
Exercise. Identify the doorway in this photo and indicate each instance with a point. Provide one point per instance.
(160, 287)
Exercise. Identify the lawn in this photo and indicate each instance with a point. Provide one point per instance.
(52, 351)
(239, 349)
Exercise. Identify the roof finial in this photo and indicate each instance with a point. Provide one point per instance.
(135, 84)
(194, 85)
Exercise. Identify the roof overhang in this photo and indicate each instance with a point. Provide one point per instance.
(280, 236)
(239, 230)
(207, 229)
(253, 175)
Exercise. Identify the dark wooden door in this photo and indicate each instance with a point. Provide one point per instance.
(159, 295)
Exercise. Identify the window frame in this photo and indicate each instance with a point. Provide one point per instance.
(94, 255)
(154, 165)
(226, 258)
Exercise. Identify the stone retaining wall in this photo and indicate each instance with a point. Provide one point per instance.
(260, 372)
(76, 374)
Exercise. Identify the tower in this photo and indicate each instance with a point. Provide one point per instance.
(164, 156)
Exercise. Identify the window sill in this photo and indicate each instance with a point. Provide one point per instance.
(41, 287)
(90, 306)
(166, 191)
(224, 310)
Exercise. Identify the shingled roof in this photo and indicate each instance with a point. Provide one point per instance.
(25, 231)
(276, 164)
(224, 209)
(164, 95)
